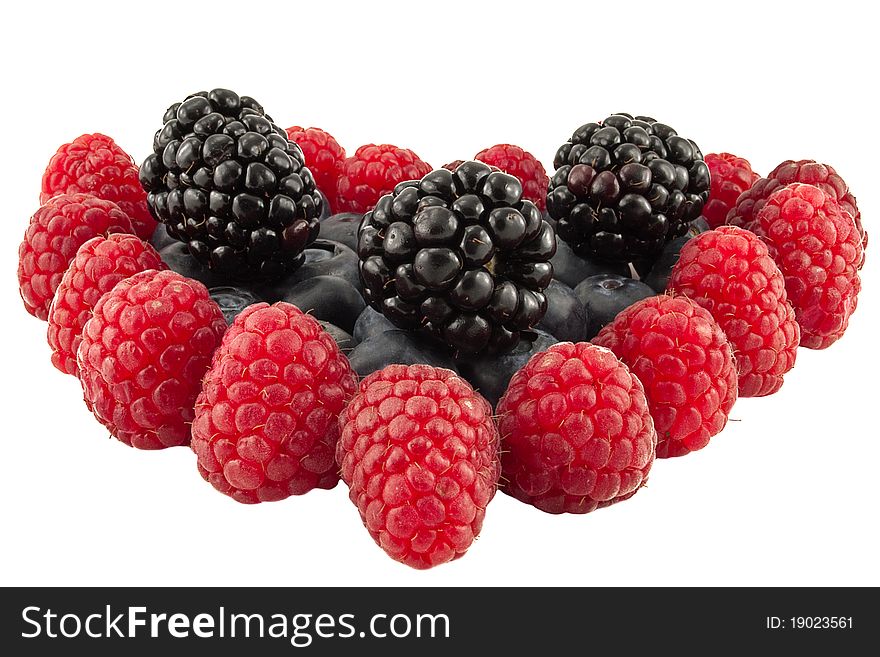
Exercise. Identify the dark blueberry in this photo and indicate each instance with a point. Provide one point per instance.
(342, 338)
(179, 258)
(322, 258)
(658, 277)
(342, 228)
(566, 317)
(490, 375)
(698, 225)
(571, 269)
(605, 295)
(397, 347)
(160, 238)
(371, 322)
(329, 298)
(232, 300)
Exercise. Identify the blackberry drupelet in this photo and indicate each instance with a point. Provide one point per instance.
(626, 186)
(227, 182)
(460, 256)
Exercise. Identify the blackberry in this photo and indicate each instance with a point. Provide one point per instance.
(626, 186)
(227, 182)
(460, 256)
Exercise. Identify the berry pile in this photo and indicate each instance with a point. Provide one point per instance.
(442, 337)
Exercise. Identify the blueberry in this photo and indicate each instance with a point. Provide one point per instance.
(342, 228)
(490, 375)
(160, 238)
(232, 300)
(658, 277)
(566, 317)
(396, 347)
(342, 338)
(322, 258)
(369, 323)
(179, 259)
(605, 295)
(571, 269)
(329, 298)
(698, 225)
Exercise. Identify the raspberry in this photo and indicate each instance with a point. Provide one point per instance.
(98, 266)
(374, 171)
(808, 172)
(730, 176)
(818, 249)
(730, 273)
(143, 354)
(686, 364)
(576, 429)
(52, 238)
(452, 166)
(522, 164)
(419, 452)
(266, 419)
(324, 158)
(96, 165)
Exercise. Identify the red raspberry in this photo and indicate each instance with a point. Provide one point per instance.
(96, 165)
(52, 238)
(372, 172)
(818, 249)
(452, 166)
(730, 176)
(98, 266)
(686, 364)
(522, 164)
(730, 273)
(419, 452)
(576, 429)
(324, 158)
(143, 354)
(266, 420)
(808, 172)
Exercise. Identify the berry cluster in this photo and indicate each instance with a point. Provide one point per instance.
(444, 338)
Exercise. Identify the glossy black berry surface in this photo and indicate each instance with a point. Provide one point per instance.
(459, 256)
(625, 186)
(226, 181)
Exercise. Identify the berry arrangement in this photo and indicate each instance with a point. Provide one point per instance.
(296, 315)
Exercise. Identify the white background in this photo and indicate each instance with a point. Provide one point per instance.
(786, 495)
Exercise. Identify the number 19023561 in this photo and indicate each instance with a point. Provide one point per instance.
(810, 623)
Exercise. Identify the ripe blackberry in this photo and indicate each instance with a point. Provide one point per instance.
(229, 183)
(459, 255)
(626, 186)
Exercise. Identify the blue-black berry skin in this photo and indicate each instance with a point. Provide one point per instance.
(397, 347)
(605, 295)
(490, 375)
(625, 186)
(329, 298)
(458, 256)
(227, 182)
